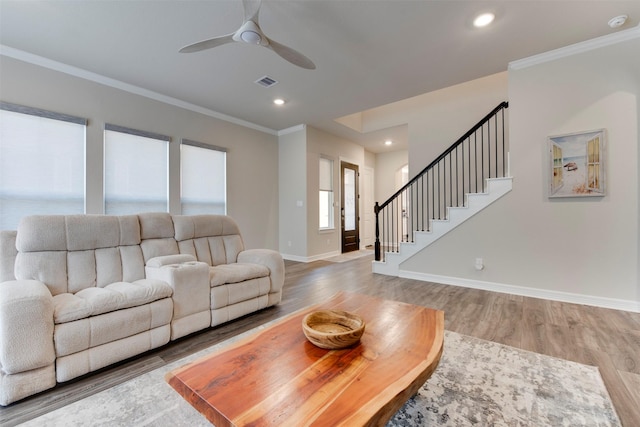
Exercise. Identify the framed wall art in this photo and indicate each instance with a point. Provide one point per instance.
(576, 164)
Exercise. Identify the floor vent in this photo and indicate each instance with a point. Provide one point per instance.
(266, 81)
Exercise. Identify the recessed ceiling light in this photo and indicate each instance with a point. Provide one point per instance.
(388, 142)
(278, 101)
(483, 20)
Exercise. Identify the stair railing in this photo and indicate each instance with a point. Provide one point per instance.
(462, 168)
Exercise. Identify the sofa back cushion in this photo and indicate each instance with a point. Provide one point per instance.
(156, 233)
(214, 239)
(69, 253)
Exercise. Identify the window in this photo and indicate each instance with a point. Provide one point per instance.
(41, 163)
(203, 178)
(556, 165)
(135, 171)
(594, 165)
(326, 193)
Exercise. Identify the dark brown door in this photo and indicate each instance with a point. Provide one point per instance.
(349, 207)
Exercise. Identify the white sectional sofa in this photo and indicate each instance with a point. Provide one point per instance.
(80, 292)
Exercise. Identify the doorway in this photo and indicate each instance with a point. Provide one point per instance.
(349, 201)
(368, 216)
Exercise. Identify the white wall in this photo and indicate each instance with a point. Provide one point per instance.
(580, 249)
(252, 156)
(387, 164)
(437, 119)
(293, 192)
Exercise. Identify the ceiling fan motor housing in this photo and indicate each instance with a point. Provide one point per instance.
(250, 33)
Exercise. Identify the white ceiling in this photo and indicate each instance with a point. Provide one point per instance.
(368, 52)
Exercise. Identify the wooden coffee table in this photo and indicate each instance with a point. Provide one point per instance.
(275, 377)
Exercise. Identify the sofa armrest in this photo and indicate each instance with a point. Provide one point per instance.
(160, 261)
(190, 283)
(269, 258)
(26, 326)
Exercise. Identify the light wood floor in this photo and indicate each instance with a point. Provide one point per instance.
(605, 338)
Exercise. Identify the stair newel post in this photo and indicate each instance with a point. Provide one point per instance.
(376, 210)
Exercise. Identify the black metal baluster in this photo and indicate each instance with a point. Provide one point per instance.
(475, 160)
(415, 212)
(496, 132)
(504, 149)
(488, 151)
(482, 155)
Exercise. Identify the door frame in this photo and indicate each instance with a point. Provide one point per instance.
(347, 237)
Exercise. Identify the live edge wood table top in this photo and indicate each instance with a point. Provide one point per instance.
(276, 377)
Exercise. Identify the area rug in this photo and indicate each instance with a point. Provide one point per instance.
(477, 383)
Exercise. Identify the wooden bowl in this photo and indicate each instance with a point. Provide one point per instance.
(333, 329)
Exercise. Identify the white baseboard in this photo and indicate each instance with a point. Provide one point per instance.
(298, 258)
(616, 304)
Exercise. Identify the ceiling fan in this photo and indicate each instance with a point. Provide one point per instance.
(250, 33)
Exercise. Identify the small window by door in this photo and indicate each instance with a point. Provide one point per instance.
(325, 214)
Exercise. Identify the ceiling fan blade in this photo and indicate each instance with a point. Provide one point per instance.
(251, 10)
(208, 44)
(291, 55)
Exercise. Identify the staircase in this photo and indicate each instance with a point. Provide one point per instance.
(466, 178)
(474, 203)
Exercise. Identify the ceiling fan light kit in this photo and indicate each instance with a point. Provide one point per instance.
(251, 33)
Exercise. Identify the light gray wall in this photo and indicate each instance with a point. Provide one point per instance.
(579, 246)
(320, 143)
(437, 119)
(293, 192)
(452, 112)
(387, 164)
(252, 156)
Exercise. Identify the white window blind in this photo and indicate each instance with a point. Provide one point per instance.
(41, 163)
(203, 180)
(135, 171)
(326, 193)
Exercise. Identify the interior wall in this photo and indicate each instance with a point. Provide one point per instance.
(437, 119)
(320, 143)
(252, 156)
(387, 164)
(564, 247)
(293, 194)
(368, 200)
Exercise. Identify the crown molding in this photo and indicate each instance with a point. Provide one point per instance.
(117, 84)
(585, 46)
(292, 129)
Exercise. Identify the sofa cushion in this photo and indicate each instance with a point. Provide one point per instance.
(80, 335)
(155, 225)
(156, 231)
(195, 226)
(38, 233)
(48, 267)
(214, 239)
(73, 252)
(234, 273)
(93, 301)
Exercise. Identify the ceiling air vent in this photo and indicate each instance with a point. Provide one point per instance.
(266, 81)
